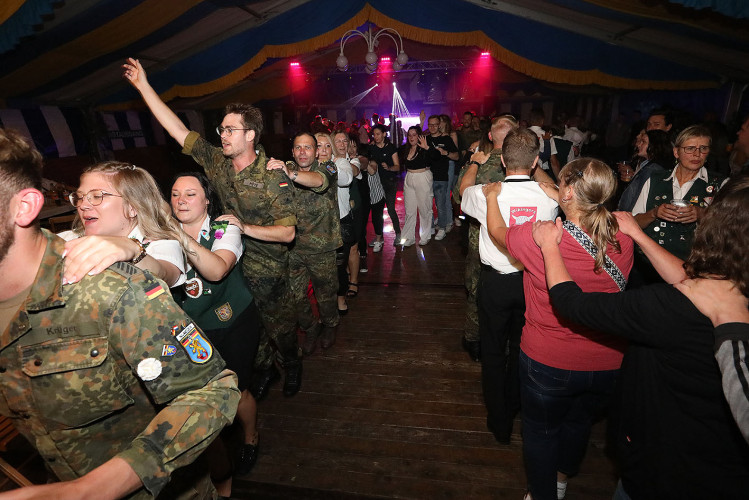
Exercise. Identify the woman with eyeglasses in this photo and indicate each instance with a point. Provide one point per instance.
(669, 206)
(122, 217)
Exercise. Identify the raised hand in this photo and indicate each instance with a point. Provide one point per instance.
(134, 73)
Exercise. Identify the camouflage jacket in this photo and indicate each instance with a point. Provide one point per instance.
(97, 369)
(318, 226)
(256, 196)
(489, 171)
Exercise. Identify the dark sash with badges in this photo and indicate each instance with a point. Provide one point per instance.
(215, 304)
(608, 265)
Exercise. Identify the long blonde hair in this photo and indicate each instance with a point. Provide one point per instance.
(139, 191)
(594, 184)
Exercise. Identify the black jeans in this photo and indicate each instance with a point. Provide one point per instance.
(390, 186)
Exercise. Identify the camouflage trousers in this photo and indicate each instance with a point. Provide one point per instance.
(274, 303)
(472, 275)
(321, 269)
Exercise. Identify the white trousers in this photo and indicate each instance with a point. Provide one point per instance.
(417, 196)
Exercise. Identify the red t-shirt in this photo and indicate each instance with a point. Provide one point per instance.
(547, 337)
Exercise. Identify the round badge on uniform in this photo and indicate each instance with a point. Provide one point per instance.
(194, 287)
(149, 369)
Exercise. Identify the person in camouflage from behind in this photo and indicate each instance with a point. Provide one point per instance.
(318, 235)
(111, 382)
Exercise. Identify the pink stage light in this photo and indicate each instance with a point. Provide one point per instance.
(485, 54)
(294, 64)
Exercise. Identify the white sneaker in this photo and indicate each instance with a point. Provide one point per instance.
(424, 241)
(440, 235)
(377, 246)
(407, 243)
(561, 489)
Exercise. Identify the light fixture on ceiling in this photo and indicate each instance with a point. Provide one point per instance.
(372, 43)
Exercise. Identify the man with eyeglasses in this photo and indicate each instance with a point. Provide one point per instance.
(107, 378)
(669, 206)
(261, 204)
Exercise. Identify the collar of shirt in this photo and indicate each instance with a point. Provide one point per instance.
(136, 233)
(701, 174)
(517, 176)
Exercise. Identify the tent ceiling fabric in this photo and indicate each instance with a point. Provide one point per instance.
(71, 55)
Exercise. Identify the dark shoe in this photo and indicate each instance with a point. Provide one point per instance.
(262, 380)
(327, 339)
(473, 348)
(245, 459)
(293, 381)
(352, 292)
(310, 340)
(397, 240)
(342, 312)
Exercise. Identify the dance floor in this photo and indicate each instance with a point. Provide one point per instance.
(394, 408)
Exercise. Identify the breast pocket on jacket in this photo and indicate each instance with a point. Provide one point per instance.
(73, 382)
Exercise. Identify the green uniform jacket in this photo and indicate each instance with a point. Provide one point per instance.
(256, 196)
(675, 237)
(94, 370)
(318, 227)
(215, 304)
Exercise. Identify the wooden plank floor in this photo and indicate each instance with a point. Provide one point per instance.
(394, 409)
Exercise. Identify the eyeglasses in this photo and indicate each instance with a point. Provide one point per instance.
(94, 197)
(693, 149)
(229, 130)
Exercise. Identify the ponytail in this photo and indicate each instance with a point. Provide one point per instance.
(594, 184)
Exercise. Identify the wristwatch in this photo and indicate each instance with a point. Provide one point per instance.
(294, 174)
(474, 162)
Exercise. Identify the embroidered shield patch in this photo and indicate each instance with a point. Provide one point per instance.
(198, 349)
(224, 312)
(194, 287)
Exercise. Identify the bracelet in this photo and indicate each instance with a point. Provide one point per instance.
(141, 255)
(474, 162)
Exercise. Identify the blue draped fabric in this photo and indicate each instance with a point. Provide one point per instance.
(730, 8)
(22, 22)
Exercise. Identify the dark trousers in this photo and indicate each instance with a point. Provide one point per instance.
(501, 305)
(377, 222)
(390, 186)
(559, 407)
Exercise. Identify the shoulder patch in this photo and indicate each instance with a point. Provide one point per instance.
(125, 269)
(330, 167)
(283, 184)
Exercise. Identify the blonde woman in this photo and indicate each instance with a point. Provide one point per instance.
(567, 372)
(122, 217)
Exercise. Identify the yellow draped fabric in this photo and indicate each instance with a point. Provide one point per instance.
(464, 39)
(8, 8)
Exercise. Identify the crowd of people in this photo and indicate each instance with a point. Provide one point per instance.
(124, 388)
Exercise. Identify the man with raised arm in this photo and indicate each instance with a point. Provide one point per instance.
(261, 205)
(111, 382)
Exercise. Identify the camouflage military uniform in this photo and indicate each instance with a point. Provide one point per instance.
(97, 370)
(264, 198)
(313, 256)
(488, 172)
